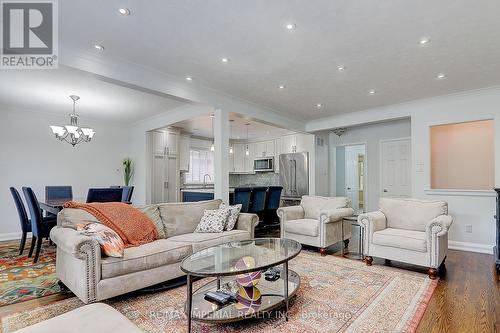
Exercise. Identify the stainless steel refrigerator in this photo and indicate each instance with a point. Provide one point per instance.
(294, 175)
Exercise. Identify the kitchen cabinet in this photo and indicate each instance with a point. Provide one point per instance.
(184, 144)
(242, 163)
(171, 142)
(295, 143)
(158, 142)
(264, 149)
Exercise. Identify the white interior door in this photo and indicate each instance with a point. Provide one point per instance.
(352, 177)
(395, 158)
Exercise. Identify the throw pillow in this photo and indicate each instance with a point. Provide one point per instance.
(232, 218)
(111, 244)
(213, 220)
(153, 213)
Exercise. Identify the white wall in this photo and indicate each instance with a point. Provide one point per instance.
(371, 136)
(476, 209)
(31, 156)
(322, 165)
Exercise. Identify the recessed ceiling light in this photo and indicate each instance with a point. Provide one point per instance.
(319, 105)
(225, 60)
(282, 86)
(372, 92)
(189, 78)
(441, 76)
(424, 41)
(124, 11)
(341, 68)
(291, 26)
(99, 47)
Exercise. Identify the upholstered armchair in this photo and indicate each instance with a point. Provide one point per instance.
(317, 221)
(408, 230)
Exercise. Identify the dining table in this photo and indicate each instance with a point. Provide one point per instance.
(54, 206)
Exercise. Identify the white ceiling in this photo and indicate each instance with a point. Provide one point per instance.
(201, 126)
(48, 91)
(377, 42)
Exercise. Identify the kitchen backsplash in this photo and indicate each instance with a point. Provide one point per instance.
(257, 179)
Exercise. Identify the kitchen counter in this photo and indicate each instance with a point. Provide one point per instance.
(203, 190)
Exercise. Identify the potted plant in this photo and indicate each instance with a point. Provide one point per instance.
(128, 170)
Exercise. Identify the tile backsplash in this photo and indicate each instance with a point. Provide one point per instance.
(257, 179)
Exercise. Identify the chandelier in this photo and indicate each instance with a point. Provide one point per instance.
(73, 134)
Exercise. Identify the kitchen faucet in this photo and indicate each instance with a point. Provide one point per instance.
(205, 178)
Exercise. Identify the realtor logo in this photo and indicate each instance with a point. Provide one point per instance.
(29, 34)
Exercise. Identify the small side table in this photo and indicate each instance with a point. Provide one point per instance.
(354, 222)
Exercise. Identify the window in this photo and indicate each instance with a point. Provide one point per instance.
(462, 156)
(201, 163)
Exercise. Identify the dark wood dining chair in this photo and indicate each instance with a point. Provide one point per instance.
(40, 226)
(23, 217)
(104, 195)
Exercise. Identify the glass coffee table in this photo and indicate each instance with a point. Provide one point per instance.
(238, 268)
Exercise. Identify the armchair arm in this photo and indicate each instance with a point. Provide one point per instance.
(370, 223)
(334, 215)
(78, 262)
(290, 213)
(247, 222)
(438, 226)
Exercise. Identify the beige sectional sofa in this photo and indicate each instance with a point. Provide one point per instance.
(93, 277)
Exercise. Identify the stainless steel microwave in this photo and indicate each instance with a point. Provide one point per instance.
(263, 164)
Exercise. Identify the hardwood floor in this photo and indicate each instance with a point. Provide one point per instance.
(467, 298)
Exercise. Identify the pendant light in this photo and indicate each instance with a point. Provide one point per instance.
(247, 152)
(230, 133)
(212, 147)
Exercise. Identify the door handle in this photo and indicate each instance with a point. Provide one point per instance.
(349, 188)
(385, 190)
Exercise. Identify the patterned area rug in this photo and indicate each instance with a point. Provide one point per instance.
(21, 279)
(336, 295)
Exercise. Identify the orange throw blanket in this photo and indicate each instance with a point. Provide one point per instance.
(133, 227)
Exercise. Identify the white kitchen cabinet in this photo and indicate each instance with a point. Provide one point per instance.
(239, 157)
(184, 144)
(158, 142)
(249, 158)
(171, 142)
(264, 149)
(288, 144)
(303, 142)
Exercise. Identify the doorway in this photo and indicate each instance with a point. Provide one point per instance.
(351, 174)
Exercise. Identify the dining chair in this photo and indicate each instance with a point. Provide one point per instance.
(273, 199)
(104, 195)
(258, 200)
(58, 192)
(127, 193)
(242, 196)
(23, 217)
(40, 226)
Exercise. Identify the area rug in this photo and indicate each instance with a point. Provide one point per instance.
(21, 279)
(335, 295)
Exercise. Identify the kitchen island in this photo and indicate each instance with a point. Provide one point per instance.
(191, 194)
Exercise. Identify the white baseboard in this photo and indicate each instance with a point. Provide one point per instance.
(11, 236)
(470, 247)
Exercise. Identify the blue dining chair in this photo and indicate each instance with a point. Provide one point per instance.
(58, 192)
(127, 193)
(40, 226)
(258, 200)
(104, 195)
(273, 198)
(242, 196)
(23, 217)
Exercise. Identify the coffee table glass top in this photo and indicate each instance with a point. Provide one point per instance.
(223, 259)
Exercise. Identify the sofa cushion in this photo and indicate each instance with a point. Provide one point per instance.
(153, 213)
(182, 218)
(308, 227)
(313, 205)
(140, 258)
(203, 240)
(71, 217)
(400, 238)
(213, 220)
(411, 214)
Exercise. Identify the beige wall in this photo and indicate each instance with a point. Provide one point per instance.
(462, 156)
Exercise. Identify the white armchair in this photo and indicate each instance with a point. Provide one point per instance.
(317, 221)
(408, 230)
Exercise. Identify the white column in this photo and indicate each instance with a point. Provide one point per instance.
(221, 165)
